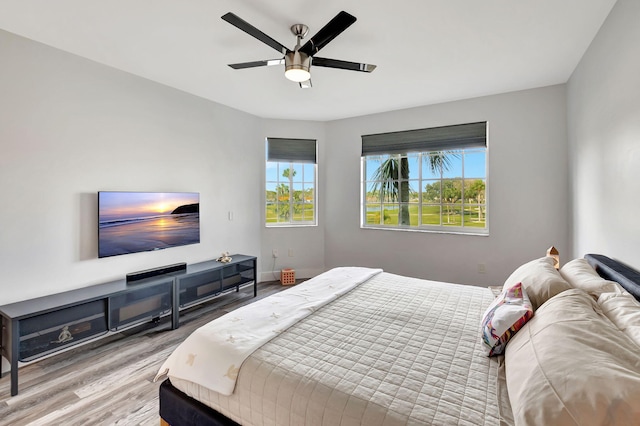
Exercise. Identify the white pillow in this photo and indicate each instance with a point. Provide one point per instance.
(624, 311)
(581, 275)
(540, 280)
(570, 365)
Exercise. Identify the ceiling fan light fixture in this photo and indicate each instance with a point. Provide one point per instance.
(296, 66)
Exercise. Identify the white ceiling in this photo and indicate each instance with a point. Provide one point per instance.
(427, 51)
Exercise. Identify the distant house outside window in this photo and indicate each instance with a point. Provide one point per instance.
(426, 180)
(291, 182)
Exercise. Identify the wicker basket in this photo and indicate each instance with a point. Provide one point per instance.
(288, 276)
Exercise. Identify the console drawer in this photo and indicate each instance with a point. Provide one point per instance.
(47, 333)
(195, 287)
(143, 303)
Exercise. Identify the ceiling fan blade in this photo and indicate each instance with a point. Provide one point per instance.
(254, 32)
(338, 24)
(343, 65)
(253, 64)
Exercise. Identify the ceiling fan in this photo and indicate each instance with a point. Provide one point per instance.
(297, 62)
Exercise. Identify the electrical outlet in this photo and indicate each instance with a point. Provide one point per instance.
(274, 252)
(482, 268)
(290, 252)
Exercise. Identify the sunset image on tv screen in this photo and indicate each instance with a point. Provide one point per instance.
(131, 222)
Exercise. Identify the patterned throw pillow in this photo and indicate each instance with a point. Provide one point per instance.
(504, 317)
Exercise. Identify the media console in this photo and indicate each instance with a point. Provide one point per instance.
(33, 329)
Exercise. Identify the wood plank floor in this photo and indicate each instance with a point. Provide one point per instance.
(109, 382)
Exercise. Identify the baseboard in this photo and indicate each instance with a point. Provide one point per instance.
(300, 274)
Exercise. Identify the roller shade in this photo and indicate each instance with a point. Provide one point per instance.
(294, 150)
(443, 138)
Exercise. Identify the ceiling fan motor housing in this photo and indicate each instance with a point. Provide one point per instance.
(296, 66)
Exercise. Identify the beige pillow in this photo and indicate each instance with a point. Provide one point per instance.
(569, 365)
(581, 275)
(624, 311)
(540, 280)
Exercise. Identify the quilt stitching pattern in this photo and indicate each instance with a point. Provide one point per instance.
(405, 351)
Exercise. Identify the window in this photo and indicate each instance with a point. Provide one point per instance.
(291, 182)
(428, 179)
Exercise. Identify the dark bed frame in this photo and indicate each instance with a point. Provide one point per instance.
(178, 409)
(613, 270)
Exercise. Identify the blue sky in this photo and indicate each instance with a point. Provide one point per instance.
(304, 173)
(474, 163)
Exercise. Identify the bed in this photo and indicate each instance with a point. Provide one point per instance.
(359, 346)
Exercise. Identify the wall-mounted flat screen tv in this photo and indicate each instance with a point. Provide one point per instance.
(131, 222)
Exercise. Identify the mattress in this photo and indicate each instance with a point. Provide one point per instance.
(392, 351)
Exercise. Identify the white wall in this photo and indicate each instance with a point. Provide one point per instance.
(527, 181)
(70, 127)
(604, 139)
(306, 243)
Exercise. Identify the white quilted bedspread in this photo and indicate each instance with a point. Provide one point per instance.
(393, 351)
(212, 355)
